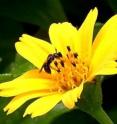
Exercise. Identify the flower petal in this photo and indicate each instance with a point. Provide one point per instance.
(108, 68)
(63, 35)
(42, 105)
(18, 86)
(106, 71)
(105, 45)
(33, 49)
(38, 43)
(35, 73)
(86, 35)
(70, 97)
(19, 100)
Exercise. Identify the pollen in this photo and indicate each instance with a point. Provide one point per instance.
(69, 71)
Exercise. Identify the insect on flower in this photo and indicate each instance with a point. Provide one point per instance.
(49, 60)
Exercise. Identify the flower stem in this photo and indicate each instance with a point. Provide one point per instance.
(101, 116)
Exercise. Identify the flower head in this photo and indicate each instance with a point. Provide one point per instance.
(63, 66)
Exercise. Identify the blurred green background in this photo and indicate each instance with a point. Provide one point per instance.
(34, 17)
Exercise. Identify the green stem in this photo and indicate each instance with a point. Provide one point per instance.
(101, 116)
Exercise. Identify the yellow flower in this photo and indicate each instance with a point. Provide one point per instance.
(63, 66)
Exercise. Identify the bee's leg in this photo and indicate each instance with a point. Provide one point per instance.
(55, 67)
(41, 68)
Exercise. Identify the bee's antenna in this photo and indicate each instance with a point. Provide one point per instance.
(41, 67)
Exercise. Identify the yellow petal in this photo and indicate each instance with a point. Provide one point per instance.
(110, 64)
(70, 97)
(30, 54)
(106, 71)
(106, 68)
(19, 100)
(105, 45)
(37, 43)
(34, 50)
(86, 35)
(42, 105)
(35, 73)
(63, 35)
(18, 86)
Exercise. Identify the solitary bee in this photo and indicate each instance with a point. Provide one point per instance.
(50, 58)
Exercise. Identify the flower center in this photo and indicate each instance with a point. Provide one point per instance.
(69, 71)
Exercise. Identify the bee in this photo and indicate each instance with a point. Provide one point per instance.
(50, 59)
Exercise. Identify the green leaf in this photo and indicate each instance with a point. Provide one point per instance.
(91, 97)
(91, 101)
(10, 30)
(97, 27)
(47, 118)
(38, 12)
(19, 66)
(16, 117)
(113, 114)
(6, 77)
(74, 116)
